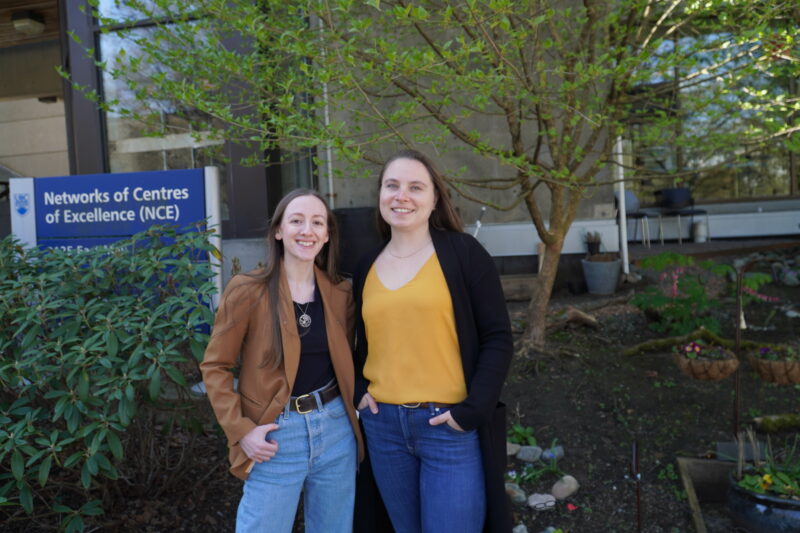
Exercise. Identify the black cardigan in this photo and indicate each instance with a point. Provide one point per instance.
(484, 336)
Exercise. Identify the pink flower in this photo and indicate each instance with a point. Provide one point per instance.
(758, 295)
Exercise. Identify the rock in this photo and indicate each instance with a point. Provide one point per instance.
(520, 528)
(542, 502)
(516, 494)
(529, 453)
(512, 448)
(565, 487)
(556, 452)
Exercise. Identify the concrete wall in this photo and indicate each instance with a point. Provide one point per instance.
(33, 137)
(29, 71)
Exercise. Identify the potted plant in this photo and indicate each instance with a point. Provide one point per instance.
(593, 240)
(776, 364)
(708, 362)
(765, 495)
(602, 273)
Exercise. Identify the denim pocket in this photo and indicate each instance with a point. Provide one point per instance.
(455, 431)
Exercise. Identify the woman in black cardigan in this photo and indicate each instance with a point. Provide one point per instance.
(415, 407)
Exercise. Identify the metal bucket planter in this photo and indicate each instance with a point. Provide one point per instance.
(760, 513)
(602, 273)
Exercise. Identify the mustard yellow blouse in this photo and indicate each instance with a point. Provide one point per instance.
(413, 348)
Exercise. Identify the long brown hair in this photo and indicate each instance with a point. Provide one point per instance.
(327, 260)
(444, 215)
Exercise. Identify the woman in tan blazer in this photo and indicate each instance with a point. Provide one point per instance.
(290, 423)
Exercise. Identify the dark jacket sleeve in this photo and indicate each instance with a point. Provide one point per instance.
(492, 333)
(360, 351)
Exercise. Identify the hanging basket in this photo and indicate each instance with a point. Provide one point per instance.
(780, 372)
(706, 369)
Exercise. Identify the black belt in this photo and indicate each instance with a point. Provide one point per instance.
(425, 405)
(308, 402)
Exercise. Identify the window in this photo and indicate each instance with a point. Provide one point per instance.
(701, 142)
(116, 141)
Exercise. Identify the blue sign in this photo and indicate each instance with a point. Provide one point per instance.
(102, 206)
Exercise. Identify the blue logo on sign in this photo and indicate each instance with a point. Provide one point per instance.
(22, 202)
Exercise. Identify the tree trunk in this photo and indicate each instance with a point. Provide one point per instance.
(534, 334)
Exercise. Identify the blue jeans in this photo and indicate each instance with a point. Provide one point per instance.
(430, 477)
(316, 455)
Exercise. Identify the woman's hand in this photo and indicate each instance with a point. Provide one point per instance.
(368, 400)
(256, 446)
(445, 418)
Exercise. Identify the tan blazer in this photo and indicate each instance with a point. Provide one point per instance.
(242, 332)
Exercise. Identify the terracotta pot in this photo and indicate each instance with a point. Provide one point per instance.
(760, 513)
(781, 372)
(706, 369)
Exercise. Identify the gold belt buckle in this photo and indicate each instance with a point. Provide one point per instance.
(297, 404)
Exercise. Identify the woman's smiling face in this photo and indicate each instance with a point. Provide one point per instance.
(304, 228)
(407, 195)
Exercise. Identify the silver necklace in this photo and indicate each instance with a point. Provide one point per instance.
(409, 255)
(304, 319)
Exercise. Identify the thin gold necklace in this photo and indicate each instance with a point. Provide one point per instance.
(409, 255)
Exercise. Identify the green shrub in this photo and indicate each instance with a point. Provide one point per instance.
(95, 348)
(681, 302)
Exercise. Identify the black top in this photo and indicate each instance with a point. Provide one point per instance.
(315, 368)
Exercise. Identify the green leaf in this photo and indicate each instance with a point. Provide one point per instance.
(83, 385)
(72, 459)
(30, 337)
(74, 523)
(26, 498)
(102, 461)
(154, 388)
(86, 476)
(44, 470)
(92, 508)
(17, 465)
(114, 444)
(91, 465)
(198, 349)
(175, 375)
(111, 344)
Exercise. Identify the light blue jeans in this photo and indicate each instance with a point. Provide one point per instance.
(430, 477)
(316, 455)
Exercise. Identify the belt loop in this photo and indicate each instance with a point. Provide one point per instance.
(285, 413)
(318, 398)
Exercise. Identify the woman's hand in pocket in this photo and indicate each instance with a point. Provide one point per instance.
(445, 418)
(368, 401)
(256, 445)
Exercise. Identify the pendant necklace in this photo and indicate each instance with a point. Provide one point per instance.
(304, 319)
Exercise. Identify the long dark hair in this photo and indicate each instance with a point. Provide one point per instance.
(327, 260)
(444, 215)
